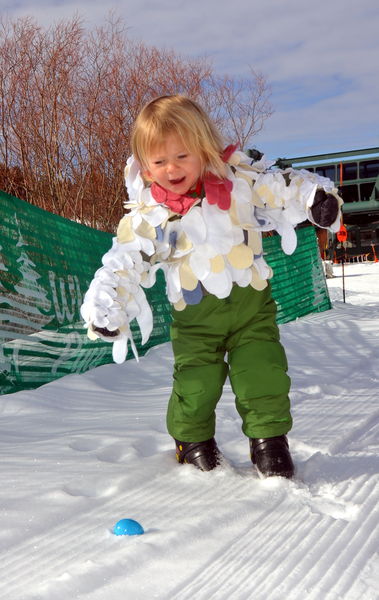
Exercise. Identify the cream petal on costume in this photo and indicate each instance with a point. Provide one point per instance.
(125, 231)
(256, 281)
(263, 190)
(255, 242)
(188, 279)
(180, 305)
(217, 264)
(144, 229)
(241, 256)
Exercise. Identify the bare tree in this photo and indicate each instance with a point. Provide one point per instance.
(240, 106)
(36, 114)
(69, 98)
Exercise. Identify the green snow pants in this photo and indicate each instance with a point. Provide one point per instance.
(237, 336)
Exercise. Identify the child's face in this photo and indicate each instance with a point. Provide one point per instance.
(173, 167)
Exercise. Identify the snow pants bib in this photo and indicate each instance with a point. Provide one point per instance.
(236, 337)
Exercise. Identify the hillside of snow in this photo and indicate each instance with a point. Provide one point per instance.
(84, 451)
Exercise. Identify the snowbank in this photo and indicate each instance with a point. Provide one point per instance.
(84, 451)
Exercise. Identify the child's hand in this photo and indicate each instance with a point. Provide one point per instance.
(324, 208)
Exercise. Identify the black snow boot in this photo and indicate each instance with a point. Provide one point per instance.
(203, 455)
(271, 456)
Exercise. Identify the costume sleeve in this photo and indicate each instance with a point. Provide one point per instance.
(115, 296)
(283, 198)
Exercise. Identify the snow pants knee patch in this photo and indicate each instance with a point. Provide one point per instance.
(191, 409)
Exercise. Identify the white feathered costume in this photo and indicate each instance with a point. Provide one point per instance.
(207, 250)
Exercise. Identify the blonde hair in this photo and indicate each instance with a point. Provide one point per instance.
(181, 116)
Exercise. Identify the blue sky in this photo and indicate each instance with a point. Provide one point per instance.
(321, 58)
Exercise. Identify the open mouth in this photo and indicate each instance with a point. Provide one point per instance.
(177, 181)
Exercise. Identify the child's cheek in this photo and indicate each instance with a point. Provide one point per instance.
(147, 176)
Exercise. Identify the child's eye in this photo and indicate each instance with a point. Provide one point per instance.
(182, 155)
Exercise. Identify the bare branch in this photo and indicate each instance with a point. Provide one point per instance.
(68, 100)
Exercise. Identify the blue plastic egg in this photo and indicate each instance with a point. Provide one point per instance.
(128, 527)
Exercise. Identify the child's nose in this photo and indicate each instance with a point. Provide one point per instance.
(171, 167)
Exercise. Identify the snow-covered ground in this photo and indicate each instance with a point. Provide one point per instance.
(83, 452)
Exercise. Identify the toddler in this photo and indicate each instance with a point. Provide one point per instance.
(197, 210)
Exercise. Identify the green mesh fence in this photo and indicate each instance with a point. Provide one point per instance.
(298, 285)
(46, 265)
